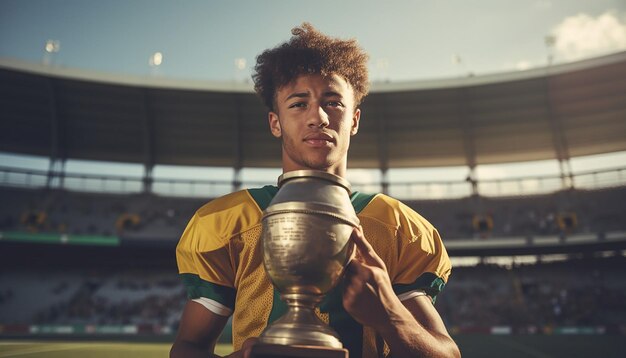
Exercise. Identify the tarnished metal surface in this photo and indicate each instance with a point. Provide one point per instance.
(306, 246)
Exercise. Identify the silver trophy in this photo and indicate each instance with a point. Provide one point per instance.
(306, 246)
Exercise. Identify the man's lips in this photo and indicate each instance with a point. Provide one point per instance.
(319, 139)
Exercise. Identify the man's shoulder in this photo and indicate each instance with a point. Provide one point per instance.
(241, 209)
(380, 204)
(394, 212)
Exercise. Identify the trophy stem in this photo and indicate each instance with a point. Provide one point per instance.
(300, 325)
(301, 300)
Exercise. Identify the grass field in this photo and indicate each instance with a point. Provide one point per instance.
(486, 346)
(540, 346)
(68, 349)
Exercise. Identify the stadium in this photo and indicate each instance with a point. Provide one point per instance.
(88, 265)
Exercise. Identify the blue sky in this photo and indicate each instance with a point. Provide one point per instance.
(407, 40)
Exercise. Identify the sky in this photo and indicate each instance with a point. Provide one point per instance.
(219, 40)
(407, 40)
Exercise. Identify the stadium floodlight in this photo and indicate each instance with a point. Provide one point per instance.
(382, 65)
(156, 59)
(550, 41)
(239, 72)
(240, 63)
(53, 46)
(456, 59)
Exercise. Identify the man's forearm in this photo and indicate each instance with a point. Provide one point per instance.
(412, 328)
(406, 337)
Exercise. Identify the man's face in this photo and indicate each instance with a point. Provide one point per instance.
(315, 117)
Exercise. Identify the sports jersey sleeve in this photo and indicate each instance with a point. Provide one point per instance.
(204, 262)
(423, 262)
(209, 248)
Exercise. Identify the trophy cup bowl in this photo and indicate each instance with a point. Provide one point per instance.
(306, 246)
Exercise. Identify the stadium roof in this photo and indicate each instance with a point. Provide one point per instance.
(555, 112)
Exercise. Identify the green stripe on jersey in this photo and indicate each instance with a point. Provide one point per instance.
(360, 200)
(279, 307)
(350, 331)
(197, 287)
(428, 281)
(263, 196)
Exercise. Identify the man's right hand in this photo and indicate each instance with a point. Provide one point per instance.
(245, 350)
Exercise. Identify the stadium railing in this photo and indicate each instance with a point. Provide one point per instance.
(518, 186)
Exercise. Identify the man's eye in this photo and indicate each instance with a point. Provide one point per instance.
(334, 104)
(298, 105)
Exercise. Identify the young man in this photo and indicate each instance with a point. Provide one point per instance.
(313, 86)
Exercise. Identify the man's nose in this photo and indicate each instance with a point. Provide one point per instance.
(318, 117)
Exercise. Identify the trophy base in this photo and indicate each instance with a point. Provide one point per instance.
(299, 326)
(264, 350)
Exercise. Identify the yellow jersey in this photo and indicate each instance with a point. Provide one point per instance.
(220, 259)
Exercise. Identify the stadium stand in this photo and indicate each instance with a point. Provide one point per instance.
(79, 262)
(580, 292)
(163, 218)
(587, 292)
(597, 211)
(75, 213)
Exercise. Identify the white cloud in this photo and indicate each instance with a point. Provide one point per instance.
(583, 36)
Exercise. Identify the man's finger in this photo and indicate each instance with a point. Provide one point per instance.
(364, 249)
(359, 239)
(246, 347)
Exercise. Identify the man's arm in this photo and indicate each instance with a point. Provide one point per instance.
(412, 328)
(198, 332)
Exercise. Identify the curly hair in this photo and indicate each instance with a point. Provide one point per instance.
(310, 51)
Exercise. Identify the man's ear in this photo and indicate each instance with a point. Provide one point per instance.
(356, 117)
(274, 124)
